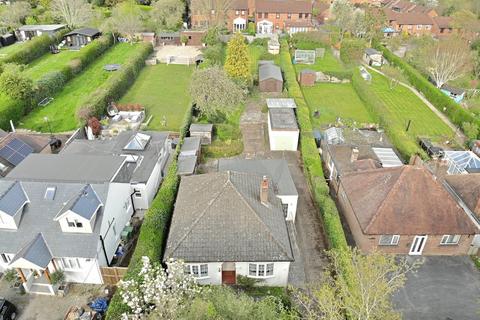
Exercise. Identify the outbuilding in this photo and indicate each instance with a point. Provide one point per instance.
(270, 77)
(202, 130)
(283, 131)
(307, 78)
(81, 37)
(28, 32)
(373, 57)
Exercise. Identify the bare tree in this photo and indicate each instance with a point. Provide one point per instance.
(15, 14)
(167, 14)
(126, 20)
(75, 13)
(343, 12)
(446, 60)
(357, 285)
(214, 12)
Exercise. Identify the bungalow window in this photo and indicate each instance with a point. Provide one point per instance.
(389, 240)
(213, 11)
(259, 15)
(419, 27)
(243, 12)
(70, 263)
(278, 15)
(260, 270)
(428, 27)
(6, 258)
(300, 15)
(450, 239)
(196, 270)
(306, 15)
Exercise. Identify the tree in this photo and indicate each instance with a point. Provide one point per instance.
(214, 11)
(213, 91)
(237, 63)
(15, 14)
(126, 20)
(75, 13)
(168, 14)
(394, 76)
(357, 285)
(15, 84)
(467, 23)
(156, 293)
(446, 60)
(342, 10)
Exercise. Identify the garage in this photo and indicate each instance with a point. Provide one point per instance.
(283, 131)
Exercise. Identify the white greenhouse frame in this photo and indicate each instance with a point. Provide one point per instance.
(305, 56)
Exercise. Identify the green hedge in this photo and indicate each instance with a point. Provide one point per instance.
(454, 111)
(154, 229)
(115, 87)
(33, 49)
(311, 158)
(404, 143)
(10, 110)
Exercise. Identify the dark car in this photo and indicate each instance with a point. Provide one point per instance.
(7, 310)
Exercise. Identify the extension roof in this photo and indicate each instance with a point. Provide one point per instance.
(35, 252)
(405, 200)
(219, 217)
(284, 6)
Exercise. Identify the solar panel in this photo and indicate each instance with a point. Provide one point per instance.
(15, 151)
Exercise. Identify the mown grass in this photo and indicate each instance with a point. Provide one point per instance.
(50, 63)
(61, 112)
(8, 50)
(164, 91)
(333, 100)
(326, 64)
(260, 52)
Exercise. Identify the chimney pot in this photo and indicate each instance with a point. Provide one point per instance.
(264, 190)
(355, 153)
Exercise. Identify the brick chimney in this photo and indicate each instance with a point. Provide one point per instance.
(355, 153)
(416, 161)
(264, 191)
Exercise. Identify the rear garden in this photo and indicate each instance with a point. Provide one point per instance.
(49, 63)
(61, 112)
(163, 91)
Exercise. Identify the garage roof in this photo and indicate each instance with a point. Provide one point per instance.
(283, 119)
(281, 103)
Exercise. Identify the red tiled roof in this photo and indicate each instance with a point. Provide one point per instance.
(408, 18)
(306, 23)
(467, 186)
(284, 6)
(443, 22)
(405, 200)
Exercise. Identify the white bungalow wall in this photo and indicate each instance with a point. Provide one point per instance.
(291, 201)
(7, 221)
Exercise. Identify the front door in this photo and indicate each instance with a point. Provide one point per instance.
(229, 275)
(418, 245)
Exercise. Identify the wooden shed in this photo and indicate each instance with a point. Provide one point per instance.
(81, 37)
(270, 77)
(202, 130)
(307, 78)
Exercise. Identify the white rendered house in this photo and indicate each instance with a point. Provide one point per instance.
(230, 224)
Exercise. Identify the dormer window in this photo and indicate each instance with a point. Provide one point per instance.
(12, 203)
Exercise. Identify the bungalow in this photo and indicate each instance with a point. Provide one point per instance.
(81, 37)
(373, 57)
(62, 212)
(404, 210)
(230, 224)
(28, 32)
(270, 77)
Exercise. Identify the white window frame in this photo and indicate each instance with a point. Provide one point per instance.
(190, 269)
(450, 239)
(6, 258)
(70, 264)
(393, 241)
(268, 270)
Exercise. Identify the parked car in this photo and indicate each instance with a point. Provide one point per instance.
(7, 310)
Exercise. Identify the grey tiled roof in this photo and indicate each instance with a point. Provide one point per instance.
(190, 146)
(85, 204)
(371, 51)
(269, 71)
(36, 252)
(38, 217)
(276, 170)
(89, 32)
(13, 199)
(186, 165)
(219, 217)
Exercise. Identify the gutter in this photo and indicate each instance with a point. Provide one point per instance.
(104, 250)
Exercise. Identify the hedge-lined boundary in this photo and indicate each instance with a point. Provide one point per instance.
(12, 111)
(116, 86)
(379, 111)
(454, 111)
(154, 229)
(311, 158)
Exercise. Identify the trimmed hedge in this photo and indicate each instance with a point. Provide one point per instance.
(454, 111)
(311, 158)
(377, 109)
(154, 229)
(115, 87)
(12, 110)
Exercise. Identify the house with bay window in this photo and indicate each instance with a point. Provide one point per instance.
(228, 224)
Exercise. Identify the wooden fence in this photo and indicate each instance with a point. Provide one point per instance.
(112, 275)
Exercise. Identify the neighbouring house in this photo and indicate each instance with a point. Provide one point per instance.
(189, 155)
(202, 130)
(168, 38)
(277, 172)
(373, 57)
(283, 131)
(270, 77)
(456, 94)
(476, 147)
(28, 32)
(442, 26)
(307, 78)
(347, 150)
(63, 212)
(146, 155)
(15, 147)
(269, 16)
(78, 38)
(230, 224)
(404, 210)
(461, 162)
(193, 37)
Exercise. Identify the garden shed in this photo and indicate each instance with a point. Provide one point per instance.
(202, 130)
(30, 31)
(307, 78)
(270, 77)
(81, 37)
(283, 129)
(373, 57)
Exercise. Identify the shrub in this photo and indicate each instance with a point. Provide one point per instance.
(214, 55)
(15, 84)
(11, 110)
(57, 277)
(251, 29)
(212, 37)
(50, 84)
(114, 88)
(352, 50)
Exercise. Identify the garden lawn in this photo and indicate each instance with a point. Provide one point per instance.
(403, 105)
(61, 112)
(50, 63)
(8, 50)
(260, 52)
(325, 64)
(334, 100)
(164, 91)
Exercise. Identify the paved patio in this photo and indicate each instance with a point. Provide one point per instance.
(177, 54)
